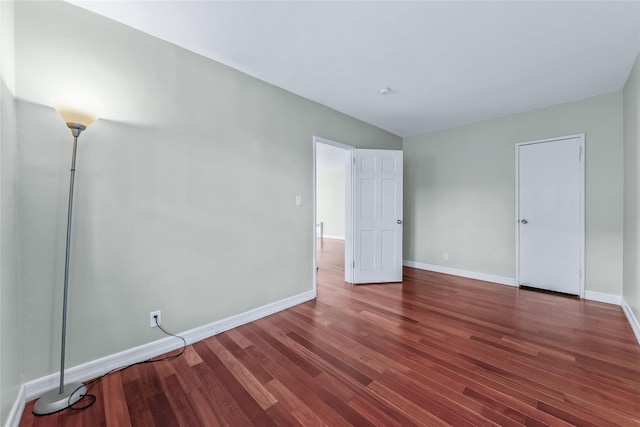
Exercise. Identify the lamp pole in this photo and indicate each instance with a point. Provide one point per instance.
(63, 397)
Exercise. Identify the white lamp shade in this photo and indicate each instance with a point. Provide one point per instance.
(70, 115)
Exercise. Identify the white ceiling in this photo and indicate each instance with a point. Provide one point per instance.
(447, 63)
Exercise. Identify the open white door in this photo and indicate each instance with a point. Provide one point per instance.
(377, 216)
(550, 214)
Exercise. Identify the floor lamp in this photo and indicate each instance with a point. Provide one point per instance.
(66, 394)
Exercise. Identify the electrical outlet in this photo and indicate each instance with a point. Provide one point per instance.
(445, 256)
(152, 320)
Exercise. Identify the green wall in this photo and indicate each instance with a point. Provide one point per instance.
(460, 187)
(10, 365)
(631, 197)
(187, 206)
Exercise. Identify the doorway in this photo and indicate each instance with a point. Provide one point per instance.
(332, 198)
(550, 214)
(358, 197)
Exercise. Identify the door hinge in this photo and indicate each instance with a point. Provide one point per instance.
(354, 264)
(580, 154)
(580, 274)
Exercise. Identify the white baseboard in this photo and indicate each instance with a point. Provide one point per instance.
(602, 297)
(95, 368)
(17, 409)
(590, 295)
(509, 281)
(633, 320)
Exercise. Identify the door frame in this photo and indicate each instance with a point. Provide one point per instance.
(348, 206)
(581, 190)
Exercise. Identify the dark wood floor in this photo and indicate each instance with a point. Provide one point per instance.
(433, 350)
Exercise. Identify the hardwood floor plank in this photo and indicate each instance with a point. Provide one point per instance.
(137, 405)
(249, 406)
(573, 417)
(281, 416)
(165, 369)
(334, 338)
(161, 410)
(95, 414)
(437, 404)
(180, 403)
(345, 386)
(373, 414)
(447, 394)
(243, 356)
(237, 338)
(334, 361)
(115, 400)
(70, 418)
(204, 410)
(27, 418)
(421, 416)
(296, 407)
(242, 374)
(191, 356)
(187, 374)
(433, 350)
(281, 348)
(303, 382)
(219, 398)
(575, 381)
(517, 416)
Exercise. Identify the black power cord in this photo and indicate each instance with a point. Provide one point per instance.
(90, 384)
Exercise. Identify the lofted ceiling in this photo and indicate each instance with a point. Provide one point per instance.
(445, 63)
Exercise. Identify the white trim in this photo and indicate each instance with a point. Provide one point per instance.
(349, 236)
(502, 280)
(330, 236)
(581, 137)
(17, 409)
(602, 297)
(95, 368)
(633, 321)
(314, 197)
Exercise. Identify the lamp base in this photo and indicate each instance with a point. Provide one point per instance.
(55, 401)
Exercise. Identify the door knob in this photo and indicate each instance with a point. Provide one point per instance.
(399, 221)
(524, 221)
